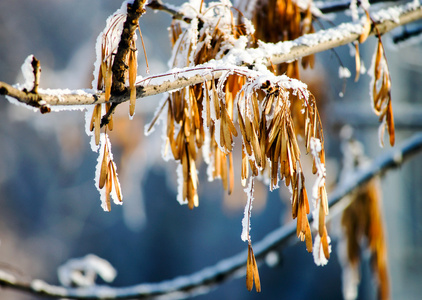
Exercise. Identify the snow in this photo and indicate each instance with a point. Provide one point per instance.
(304, 5)
(110, 36)
(160, 119)
(318, 253)
(246, 7)
(344, 72)
(365, 4)
(7, 277)
(272, 259)
(316, 148)
(89, 133)
(246, 221)
(42, 286)
(180, 183)
(28, 73)
(392, 13)
(62, 104)
(28, 84)
(84, 271)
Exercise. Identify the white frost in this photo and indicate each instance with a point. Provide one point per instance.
(89, 133)
(103, 141)
(180, 183)
(246, 221)
(316, 148)
(84, 271)
(318, 253)
(344, 72)
(28, 73)
(110, 36)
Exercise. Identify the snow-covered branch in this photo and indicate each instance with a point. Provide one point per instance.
(327, 7)
(207, 278)
(266, 54)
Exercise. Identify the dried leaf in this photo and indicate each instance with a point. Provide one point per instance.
(108, 81)
(110, 121)
(133, 66)
(245, 170)
(231, 173)
(252, 275)
(249, 270)
(93, 118)
(223, 169)
(321, 220)
(357, 62)
(308, 238)
(116, 183)
(215, 100)
(325, 246)
(104, 168)
(97, 125)
(108, 191)
(208, 106)
(366, 29)
(390, 123)
(256, 274)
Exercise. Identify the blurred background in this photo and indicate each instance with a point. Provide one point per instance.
(50, 209)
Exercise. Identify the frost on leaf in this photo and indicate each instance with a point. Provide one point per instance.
(203, 112)
(106, 48)
(106, 179)
(322, 246)
(243, 102)
(267, 112)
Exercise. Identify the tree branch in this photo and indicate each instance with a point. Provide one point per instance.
(159, 5)
(267, 53)
(342, 5)
(205, 279)
(134, 12)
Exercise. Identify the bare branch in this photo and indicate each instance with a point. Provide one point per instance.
(159, 5)
(205, 279)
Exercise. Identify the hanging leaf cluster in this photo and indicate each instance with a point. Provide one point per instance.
(362, 221)
(241, 102)
(381, 94)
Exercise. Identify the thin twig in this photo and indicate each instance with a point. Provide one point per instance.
(159, 5)
(407, 34)
(207, 278)
(342, 5)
